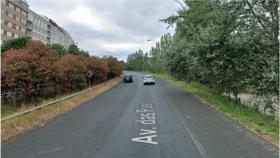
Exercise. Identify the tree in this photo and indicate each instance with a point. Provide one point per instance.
(59, 49)
(73, 49)
(229, 46)
(135, 61)
(84, 53)
(115, 67)
(15, 43)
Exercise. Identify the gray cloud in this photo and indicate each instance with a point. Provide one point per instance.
(109, 27)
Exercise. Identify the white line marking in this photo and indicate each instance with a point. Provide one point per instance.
(192, 135)
(146, 131)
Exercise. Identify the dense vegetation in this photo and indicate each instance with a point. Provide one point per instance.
(228, 46)
(33, 66)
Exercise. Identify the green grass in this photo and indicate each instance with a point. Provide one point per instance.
(7, 109)
(263, 125)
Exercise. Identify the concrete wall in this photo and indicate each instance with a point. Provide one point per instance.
(253, 102)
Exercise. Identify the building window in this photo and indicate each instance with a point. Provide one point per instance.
(17, 18)
(22, 29)
(18, 9)
(2, 32)
(9, 34)
(11, 5)
(3, 11)
(10, 24)
(24, 13)
(10, 15)
(23, 21)
(17, 27)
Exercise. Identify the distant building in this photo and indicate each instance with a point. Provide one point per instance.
(67, 39)
(59, 35)
(13, 19)
(18, 20)
(38, 27)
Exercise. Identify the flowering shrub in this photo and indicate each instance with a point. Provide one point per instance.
(115, 67)
(27, 68)
(35, 66)
(96, 69)
(68, 69)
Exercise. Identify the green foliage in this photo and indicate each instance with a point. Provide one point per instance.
(256, 121)
(115, 67)
(84, 53)
(59, 49)
(15, 43)
(73, 49)
(229, 46)
(135, 61)
(79, 82)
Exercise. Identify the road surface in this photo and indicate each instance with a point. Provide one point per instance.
(136, 121)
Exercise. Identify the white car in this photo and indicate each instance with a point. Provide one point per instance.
(148, 79)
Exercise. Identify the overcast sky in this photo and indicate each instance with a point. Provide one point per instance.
(110, 27)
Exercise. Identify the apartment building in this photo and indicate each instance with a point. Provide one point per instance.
(13, 18)
(67, 39)
(59, 35)
(38, 27)
(18, 20)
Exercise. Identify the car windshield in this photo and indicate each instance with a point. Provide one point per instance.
(127, 75)
(149, 76)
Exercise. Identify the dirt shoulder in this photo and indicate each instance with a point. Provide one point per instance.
(262, 125)
(22, 124)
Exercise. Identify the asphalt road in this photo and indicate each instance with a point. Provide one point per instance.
(137, 121)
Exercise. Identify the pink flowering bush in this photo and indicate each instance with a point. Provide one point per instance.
(27, 68)
(35, 66)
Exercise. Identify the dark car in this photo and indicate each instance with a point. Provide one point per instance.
(127, 78)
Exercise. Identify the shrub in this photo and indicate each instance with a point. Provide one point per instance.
(15, 43)
(35, 67)
(59, 49)
(115, 67)
(96, 69)
(73, 49)
(27, 68)
(79, 82)
(67, 69)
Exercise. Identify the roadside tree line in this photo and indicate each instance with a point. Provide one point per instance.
(30, 67)
(230, 46)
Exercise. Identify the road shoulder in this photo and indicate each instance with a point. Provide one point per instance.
(263, 126)
(22, 124)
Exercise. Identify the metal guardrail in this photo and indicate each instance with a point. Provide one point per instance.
(51, 103)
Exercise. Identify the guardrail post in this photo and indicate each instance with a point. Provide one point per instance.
(14, 99)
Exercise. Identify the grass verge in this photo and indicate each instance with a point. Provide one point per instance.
(22, 124)
(265, 126)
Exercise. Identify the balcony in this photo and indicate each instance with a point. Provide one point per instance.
(29, 27)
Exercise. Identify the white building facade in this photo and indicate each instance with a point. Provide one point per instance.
(17, 20)
(59, 35)
(38, 27)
